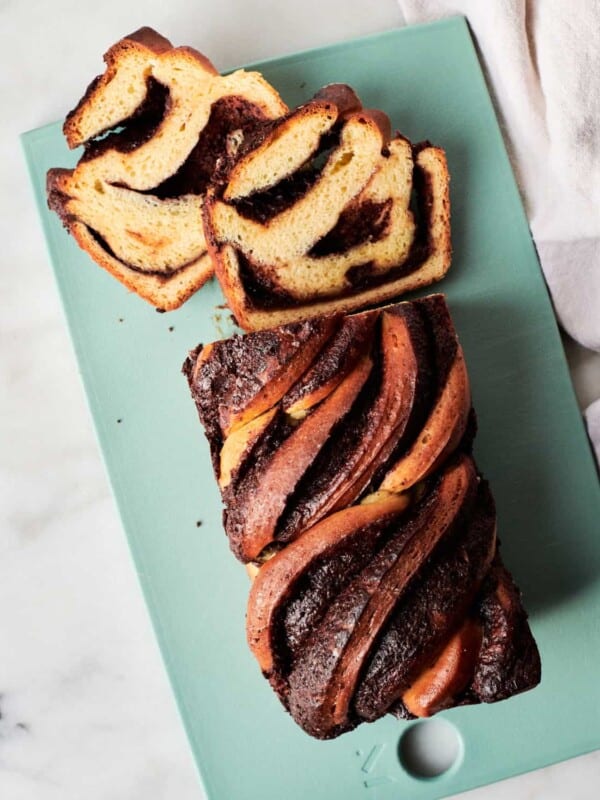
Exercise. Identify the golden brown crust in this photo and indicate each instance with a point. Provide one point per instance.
(366, 599)
(452, 671)
(442, 432)
(166, 293)
(300, 470)
(265, 504)
(272, 581)
(342, 96)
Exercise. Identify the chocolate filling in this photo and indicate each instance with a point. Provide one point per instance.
(337, 459)
(210, 158)
(264, 294)
(338, 357)
(262, 206)
(324, 650)
(210, 154)
(261, 291)
(441, 347)
(444, 347)
(358, 223)
(238, 368)
(509, 661)
(137, 129)
(247, 477)
(332, 463)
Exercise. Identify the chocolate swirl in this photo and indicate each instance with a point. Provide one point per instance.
(346, 473)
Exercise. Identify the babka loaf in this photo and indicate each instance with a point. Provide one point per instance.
(154, 127)
(342, 447)
(325, 212)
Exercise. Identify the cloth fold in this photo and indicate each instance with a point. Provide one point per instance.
(542, 60)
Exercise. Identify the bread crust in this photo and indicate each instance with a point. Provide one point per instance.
(377, 581)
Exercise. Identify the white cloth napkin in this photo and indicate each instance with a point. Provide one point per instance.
(542, 60)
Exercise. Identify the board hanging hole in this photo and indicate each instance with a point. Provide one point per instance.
(430, 749)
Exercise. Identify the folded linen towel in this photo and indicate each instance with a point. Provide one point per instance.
(542, 60)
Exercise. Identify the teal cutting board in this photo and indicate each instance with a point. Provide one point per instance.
(531, 445)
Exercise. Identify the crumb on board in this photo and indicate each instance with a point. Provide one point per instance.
(198, 523)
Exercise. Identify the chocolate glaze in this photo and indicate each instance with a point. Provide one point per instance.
(313, 593)
(337, 460)
(336, 359)
(238, 368)
(509, 661)
(428, 614)
(311, 678)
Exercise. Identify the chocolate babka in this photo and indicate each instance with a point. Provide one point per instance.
(325, 212)
(154, 127)
(342, 447)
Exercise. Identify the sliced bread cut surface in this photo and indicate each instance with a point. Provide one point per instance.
(154, 126)
(328, 213)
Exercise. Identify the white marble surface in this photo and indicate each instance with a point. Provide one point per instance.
(86, 710)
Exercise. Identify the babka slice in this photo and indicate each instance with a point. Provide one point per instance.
(154, 127)
(324, 212)
(342, 449)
